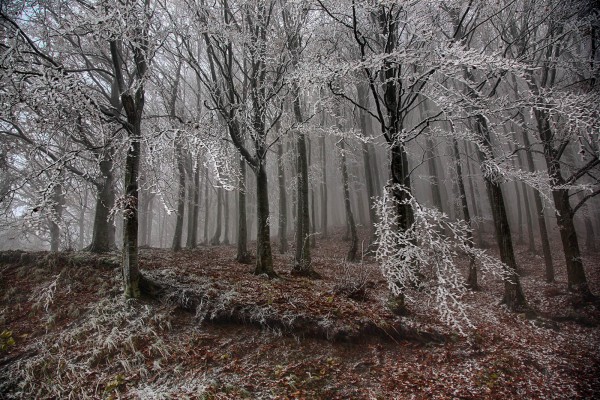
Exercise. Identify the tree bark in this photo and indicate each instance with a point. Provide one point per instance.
(264, 258)
(226, 216)
(177, 237)
(323, 188)
(352, 257)
(514, 297)
(363, 99)
(103, 234)
(302, 261)
(206, 203)
(242, 241)
(55, 217)
(472, 280)
(283, 242)
(216, 239)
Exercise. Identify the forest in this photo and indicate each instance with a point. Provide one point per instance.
(299, 199)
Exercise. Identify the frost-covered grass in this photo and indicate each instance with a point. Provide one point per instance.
(76, 337)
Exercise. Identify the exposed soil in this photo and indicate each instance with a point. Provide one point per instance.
(220, 332)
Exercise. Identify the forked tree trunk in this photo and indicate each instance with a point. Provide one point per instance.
(195, 210)
(577, 280)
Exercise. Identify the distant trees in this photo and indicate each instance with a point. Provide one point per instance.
(195, 92)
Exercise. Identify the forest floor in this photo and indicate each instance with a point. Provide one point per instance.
(68, 332)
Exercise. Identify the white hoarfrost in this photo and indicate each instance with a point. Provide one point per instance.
(423, 263)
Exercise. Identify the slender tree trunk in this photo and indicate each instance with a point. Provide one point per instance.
(177, 237)
(195, 210)
(206, 204)
(242, 242)
(363, 99)
(313, 231)
(520, 204)
(514, 297)
(323, 188)
(283, 242)
(539, 208)
(476, 207)
(472, 281)
(577, 280)
(436, 195)
(347, 206)
(82, 218)
(226, 216)
(302, 261)
(149, 219)
(216, 239)
(55, 218)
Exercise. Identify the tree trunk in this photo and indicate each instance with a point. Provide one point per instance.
(216, 239)
(347, 206)
(302, 261)
(472, 281)
(226, 216)
(103, 234)
(264, 258)
(577, 280)
(283, 242)
(323, 188)
(131, 273)
(55, 217)
(149, 219)
(476, 207)
(206, 204)
(242, 242)
(539, 208)
(363, 99)
(82, 218)
(513, 293)
(195, 210)
(177, 237)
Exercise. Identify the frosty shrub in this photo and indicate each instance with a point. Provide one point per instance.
(421, 263)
